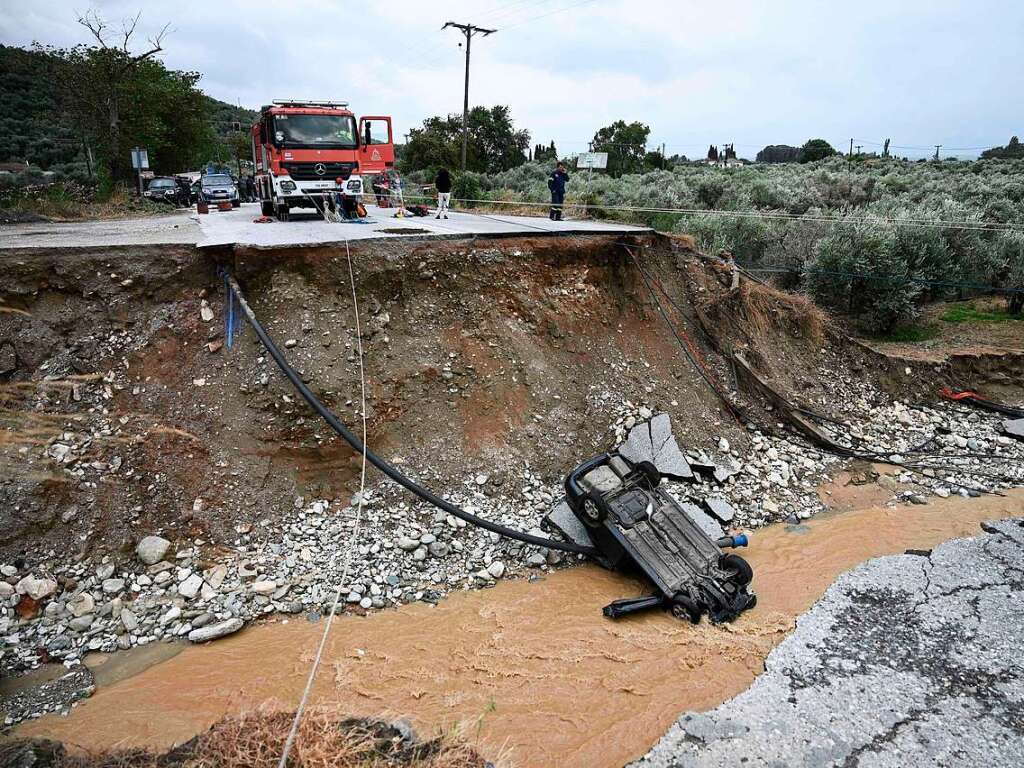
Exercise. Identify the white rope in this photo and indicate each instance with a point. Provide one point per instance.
(767, 215)
(355, 532)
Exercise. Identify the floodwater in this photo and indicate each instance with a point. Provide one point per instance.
(532, 670)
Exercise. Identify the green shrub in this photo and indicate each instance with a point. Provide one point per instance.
(467, 186)
(857, 269)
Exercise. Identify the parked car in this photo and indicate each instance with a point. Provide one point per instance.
(164, 189)
(218, 188)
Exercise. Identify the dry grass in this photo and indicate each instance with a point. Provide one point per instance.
(764, 311)
(257, 740)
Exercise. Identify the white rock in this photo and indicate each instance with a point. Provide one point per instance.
(213, 631)
(172, 615)
(81, 604)
(496, 569)
(190, 587)
(266, 587)
(113, 586)
(35, 588)
(129, 619)
(215, 576)
(151, 549)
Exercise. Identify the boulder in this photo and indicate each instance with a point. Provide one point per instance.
(37, 589)
(214, 631)
(152, 549)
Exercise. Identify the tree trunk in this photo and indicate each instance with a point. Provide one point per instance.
(117, 165)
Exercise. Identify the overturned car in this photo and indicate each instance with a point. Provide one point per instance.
(636, 525)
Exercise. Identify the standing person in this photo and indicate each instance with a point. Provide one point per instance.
(443, 182)
(556, 183)
(382, 188)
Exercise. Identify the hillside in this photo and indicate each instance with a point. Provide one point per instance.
(38, 129)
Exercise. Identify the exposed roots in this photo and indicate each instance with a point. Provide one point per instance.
(764, 311)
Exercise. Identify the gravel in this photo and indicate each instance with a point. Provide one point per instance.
(408, 551)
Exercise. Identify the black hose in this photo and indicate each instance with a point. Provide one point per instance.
(377, 461)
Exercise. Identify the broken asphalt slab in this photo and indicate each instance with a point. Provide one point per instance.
(907, 660)
(653, 441)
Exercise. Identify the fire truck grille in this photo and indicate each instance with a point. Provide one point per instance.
(319, 171)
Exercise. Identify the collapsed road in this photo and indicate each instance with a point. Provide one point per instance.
(908, 660)
(166, 485)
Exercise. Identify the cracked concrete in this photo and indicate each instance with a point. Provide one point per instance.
(908, 660)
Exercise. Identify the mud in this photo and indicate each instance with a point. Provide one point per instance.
(532, 667)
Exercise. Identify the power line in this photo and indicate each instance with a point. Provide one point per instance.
(549, 13)
(768, 215)
(899, 279)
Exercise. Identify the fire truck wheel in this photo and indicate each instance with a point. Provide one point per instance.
(266, 207)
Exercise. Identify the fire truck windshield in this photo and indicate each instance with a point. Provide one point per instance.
(337, 131)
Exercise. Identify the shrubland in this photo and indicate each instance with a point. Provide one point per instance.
(872, 237)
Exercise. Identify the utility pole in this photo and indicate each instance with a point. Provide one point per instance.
(468, 30)
(851, 149)
(937, 148)
(858, 148)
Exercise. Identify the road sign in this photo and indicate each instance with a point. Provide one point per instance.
(140, 159)
(592, 160)
(147, 174)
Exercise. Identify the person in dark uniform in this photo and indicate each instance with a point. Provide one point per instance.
(556, 183)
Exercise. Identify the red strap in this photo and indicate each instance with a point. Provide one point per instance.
(949, 394)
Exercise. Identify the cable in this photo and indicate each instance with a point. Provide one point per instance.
(737, 414)
(549, 13)
(885, 278)
(377, 461)
(352, 539)
(778, 215)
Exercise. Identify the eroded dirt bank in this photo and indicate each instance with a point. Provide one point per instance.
(533, 666)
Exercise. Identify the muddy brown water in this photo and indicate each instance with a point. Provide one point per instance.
(533, 669)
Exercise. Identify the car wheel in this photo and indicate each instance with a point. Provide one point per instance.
(651, 473)
(594, 509)
(235, 203)
(742, 573)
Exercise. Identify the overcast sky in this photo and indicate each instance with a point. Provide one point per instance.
(751, 72)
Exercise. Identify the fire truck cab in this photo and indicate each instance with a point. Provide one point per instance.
(306, 150)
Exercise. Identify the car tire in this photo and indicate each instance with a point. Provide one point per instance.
(650, 472)
(743, 574)
(235, 203)
(593, 509)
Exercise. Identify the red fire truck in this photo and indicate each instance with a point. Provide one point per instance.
(304, 150)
